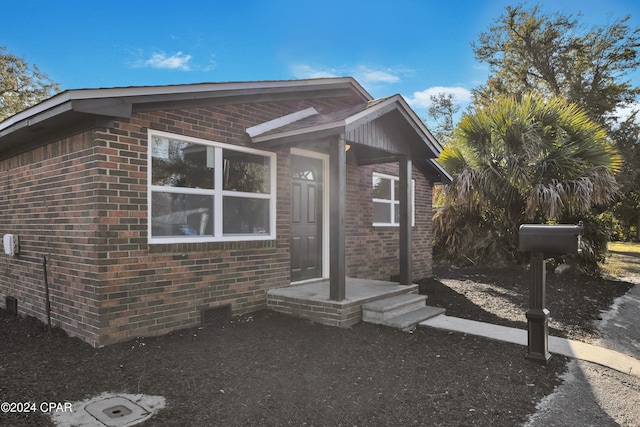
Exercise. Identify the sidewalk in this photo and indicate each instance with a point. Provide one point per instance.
(602, 384)
(575, 349)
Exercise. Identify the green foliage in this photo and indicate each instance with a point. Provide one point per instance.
(595, 237)
(528, 50)
(466, 237)
(627, 209)
(549, 157)
(521, 160)
(553, 55)
(21, 86)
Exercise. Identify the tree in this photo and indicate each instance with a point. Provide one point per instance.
(627, 209)
(521, 159)
(442, 110)
(529, 51)
(554, 55)
(21, 86)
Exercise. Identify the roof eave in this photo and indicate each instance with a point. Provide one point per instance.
(444, 175)
(111, 97)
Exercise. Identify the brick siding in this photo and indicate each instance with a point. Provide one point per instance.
(373, 252)
(82, 202)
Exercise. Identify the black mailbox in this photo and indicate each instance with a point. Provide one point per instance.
(543, 241)
(558, 239)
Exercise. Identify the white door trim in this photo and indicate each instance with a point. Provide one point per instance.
(325, 203)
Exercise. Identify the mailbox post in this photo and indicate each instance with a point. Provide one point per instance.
(543, 241)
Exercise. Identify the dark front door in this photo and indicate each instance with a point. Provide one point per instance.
(306, 218)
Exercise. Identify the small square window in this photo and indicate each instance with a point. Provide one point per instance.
(386, 200)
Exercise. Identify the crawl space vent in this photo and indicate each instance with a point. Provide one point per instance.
(12, 305)
(215, 316)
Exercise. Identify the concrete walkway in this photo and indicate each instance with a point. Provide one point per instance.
(575, 349)
(602, 384)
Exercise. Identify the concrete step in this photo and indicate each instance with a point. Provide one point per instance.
(382, 310)
(410, 320)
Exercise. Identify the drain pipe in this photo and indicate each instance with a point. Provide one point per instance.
(46, 292)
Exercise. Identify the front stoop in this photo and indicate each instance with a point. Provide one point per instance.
(311, 300)
(401, 312)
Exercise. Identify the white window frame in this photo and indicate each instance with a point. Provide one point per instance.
(217, 192)
(392, 202)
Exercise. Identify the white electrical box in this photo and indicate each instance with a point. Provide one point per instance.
(11, 244)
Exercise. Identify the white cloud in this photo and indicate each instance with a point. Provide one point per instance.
(422, 99)
(367, 75)
(363, 74)
(179, 61)
(303, 71)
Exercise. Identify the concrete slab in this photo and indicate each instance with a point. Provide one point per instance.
(116, 411)
(384, 309)
(394, 302)
(411, 319)
(311, 300)
(110, 410)
(355, 290)
(575, 349)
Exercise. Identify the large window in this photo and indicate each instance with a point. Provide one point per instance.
(206, 191)
(386, 200)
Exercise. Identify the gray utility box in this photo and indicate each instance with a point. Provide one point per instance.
(558, 239)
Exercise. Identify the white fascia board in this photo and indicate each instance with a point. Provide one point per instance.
(441, 170)
(280, 122)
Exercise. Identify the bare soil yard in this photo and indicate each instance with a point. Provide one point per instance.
(271, 369)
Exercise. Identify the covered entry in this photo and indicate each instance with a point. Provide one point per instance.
(378, 131)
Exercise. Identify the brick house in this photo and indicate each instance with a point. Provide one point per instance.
(153, 204)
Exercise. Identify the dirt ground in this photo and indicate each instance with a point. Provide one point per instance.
(272, 369)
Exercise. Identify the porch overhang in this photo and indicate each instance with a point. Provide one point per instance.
(386, 127)
(378, 131)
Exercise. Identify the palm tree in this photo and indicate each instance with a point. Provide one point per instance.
(527, 159)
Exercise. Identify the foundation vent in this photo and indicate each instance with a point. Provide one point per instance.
(215, 316)
(12, 305)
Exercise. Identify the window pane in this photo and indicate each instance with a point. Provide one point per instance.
(246, 172)
(382, 212)
(245, 215)
(396, 189)
(381, 188)
(306, 168)
(396, 213)
(181, 214)
(178, 163)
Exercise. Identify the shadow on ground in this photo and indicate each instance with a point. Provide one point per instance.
(501, 296)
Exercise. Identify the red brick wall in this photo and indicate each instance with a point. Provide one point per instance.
(153, 289)
(48, 199)
(373, 252)
(82, 201)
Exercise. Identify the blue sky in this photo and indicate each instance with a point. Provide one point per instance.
(411, 47)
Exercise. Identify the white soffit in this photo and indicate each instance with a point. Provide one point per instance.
(280, 121)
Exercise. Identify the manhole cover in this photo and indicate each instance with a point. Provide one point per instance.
(110, 410)
(116, 411)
